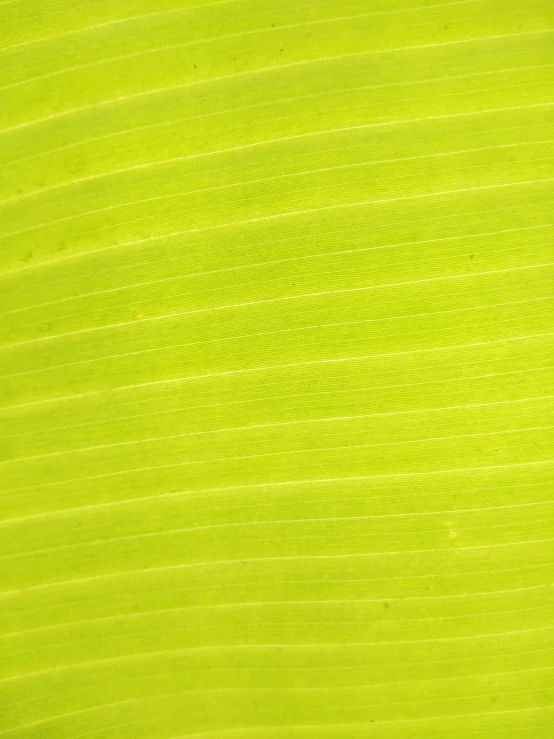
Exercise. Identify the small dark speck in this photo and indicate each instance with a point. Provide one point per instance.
(385, 605)
(446, 27)
(273, 25)
(471, 256)
(194, 65)
(280, 49)
(27, 257)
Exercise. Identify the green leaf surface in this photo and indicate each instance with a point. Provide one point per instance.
(276, 369)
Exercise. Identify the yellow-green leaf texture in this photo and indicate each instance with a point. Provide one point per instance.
(276, 369)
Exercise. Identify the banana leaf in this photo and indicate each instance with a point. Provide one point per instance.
(276, 369)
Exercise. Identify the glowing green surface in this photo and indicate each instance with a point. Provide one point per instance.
(276, 369)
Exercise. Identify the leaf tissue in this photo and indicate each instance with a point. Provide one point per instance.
(276, 369)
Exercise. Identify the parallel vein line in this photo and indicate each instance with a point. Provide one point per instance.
(285, 483)
(265, 301)
(261, 70)
(279, 424)
(116, 22)
(226, 373)
(264, 603)
(297, 329)
(316, 645)
(266, 142)
(303, 257)
(331, 91)
(315, 689)
(223, 37)
(290, 175)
